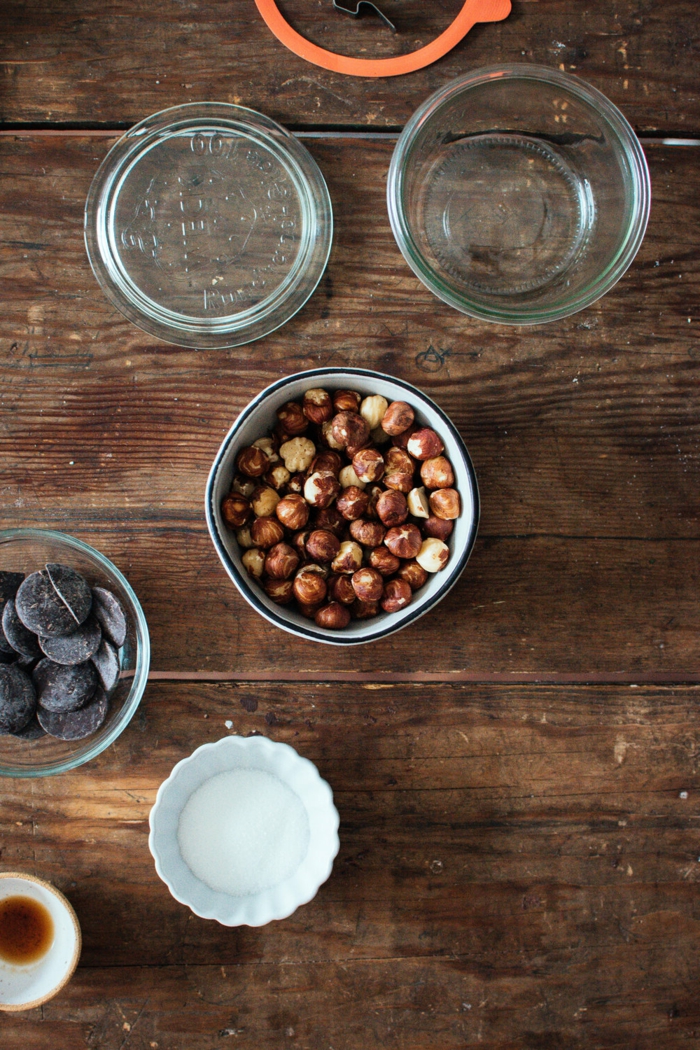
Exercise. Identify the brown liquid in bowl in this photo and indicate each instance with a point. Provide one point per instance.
(26, 930)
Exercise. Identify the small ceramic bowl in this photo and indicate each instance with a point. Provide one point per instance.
(226, 755)
(25, 987)
(258, 418)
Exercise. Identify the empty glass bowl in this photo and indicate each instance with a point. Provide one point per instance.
(518, 194)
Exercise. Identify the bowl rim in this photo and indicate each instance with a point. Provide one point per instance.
(636, 226)
(143, 654)
(407, 616)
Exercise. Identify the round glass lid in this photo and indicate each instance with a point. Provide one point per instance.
(208, 225)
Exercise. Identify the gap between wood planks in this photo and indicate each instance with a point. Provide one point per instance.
(389, 678)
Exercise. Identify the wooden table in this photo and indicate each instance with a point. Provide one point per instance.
(517, 774)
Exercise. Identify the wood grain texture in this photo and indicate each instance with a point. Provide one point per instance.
(584, 434)
(113, 63)
(518, 868)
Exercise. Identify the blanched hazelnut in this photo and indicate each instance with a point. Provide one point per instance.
(327, 435)
(348, 476)
(364, 610)
(309, 587)
(268, 445)
(254, 562)
(321, 488)
(444, 503)
(397, 595)
(352, 502)
(281, 561)
(348, 559)
(235, 510)
(433, 555)
(368, 533)
(437, 473)
(243, 486)
(296, 484)
(280, 591)
(298, 541)
(252, 462)
(424, 444)
(368, 585)
(384, 561)
(401, 440)
(297, 454)
(349, 428)
(397, 418)
(277, 476)
(340, 589)
(438, 527)
(322, 545)
(392, 508)
(326, 460)
(379, 436)
(414, 574)
(266, 532)
(292, 419)
(243, 538)
(346, 401)
(293, 511)
(373, 409)
(328, 518)
(334, 616)
(263, 501)
(368, 464)
(418, 504)
(404, 541)
(317, 405)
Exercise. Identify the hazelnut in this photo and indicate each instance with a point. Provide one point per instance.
(252, 462)
(348, 559)
(384, 561)
(349, 428)
(327, 435)
(397, 418)
(329, 518)
(293, 511)
(321, 488)
(364, 610)
(268, 445)
(437, 473)
(438, 527)
(418, 504)
(397, 595)
(297, 454)
(280, 591)
(298, 541)
(398, 473)
(327, 460)
(424, 444)
(281, 561)
(334, 616)
(235, 510)
(401, 440)
(368, 533)
(444, 503)
(413, 573)
(243, 538)
(392, 508)
(278, 476)
(292, 419)
(399, 482)
(368, 585)
(309, 611)
(346, 401)
(243, 486)
(368, 465)
(404, 541)
(317, 405)
(254, 562)
(266, 532)
(263, 501)
(340, 589)
(433, 554)
(348, 476)
(296, 484)
(373, 410)
(309, 587)
(322, 545)
(379, 436)
(374, 492)
(352, 502)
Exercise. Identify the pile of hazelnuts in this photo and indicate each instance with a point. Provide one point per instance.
(345, 508)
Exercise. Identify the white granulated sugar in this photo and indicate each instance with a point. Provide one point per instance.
(243, 832)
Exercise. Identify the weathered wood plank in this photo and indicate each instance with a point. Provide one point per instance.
(116, 62)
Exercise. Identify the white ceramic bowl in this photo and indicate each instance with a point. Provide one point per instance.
(258, 418)
(234, 753)
(25, 987)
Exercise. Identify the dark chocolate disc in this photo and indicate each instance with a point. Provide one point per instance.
(106, 660)
(112, 618)
(17, 698)
(76, 725)
(41, 609)
(61, 689)
(21, 639)
(72, 588)
(32, 730)
(74, 648)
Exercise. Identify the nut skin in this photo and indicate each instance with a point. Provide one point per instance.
(399, 482)
(437, 473)
(235, 510)
(293, 512)
(397, 595)
(333, 617)
(349, 429)
(309, 587)
(445, 504)
(277, 476)
(328, 518)
(326, 460)
(252, 462)
(346, 401)
(438, 528)
(433, 555)
(352, 502)
(321, 488)
(309, 611)
(266, 532)
(418, 504)
(243, 486)
(280, 591)
(399, 469)
(368, 465)
(401, 440)
(384, 561)
(392, 508)
(348, 477)
(404, 541)
(292, 418)
(327, 435)
(263, 501)
(368, 533)
(368, 584)
(373, 409)
(317, 406)
(340, 589)
(281, 561)
(297, 454)
(424, 444)
(298, 541)
(364, 610)
(414, 574)
(348, 559)
(352, 450)
(254, 563)
(397, 418)
(374, 492)
(322, 545)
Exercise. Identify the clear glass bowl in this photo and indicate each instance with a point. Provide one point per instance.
(518, 194)
(208, 225)
(28, 550)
